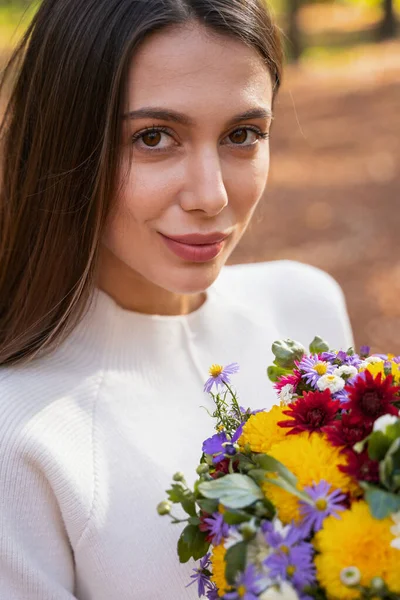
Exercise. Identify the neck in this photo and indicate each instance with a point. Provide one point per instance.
(133, 292)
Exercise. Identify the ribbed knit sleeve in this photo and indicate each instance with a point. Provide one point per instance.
(36, 561)
(46, 478)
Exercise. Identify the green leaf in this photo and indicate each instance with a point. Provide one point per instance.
(209, 506)
(192, 543)
(393, 431)
(389, 467)
(381, 503)
(194, 520)
(235, 517)
(184, 550)
(235, 559)
(385, 472)
(288, 487)
(258, 475)
(270, 464)
(378, 445)
(275, 373)
(233, 491)
(286, 352)
(318, 345)
(179, 495)
(189, 507)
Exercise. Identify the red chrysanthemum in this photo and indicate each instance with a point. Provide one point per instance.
(222, 468)
(347, 431)
(370, 397)
(311, 412)
(361, 467)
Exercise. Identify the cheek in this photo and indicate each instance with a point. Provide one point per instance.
(145, 191)
(246, 183)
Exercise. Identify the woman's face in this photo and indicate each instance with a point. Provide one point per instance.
(195, 157)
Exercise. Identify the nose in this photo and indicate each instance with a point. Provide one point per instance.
(204, 189)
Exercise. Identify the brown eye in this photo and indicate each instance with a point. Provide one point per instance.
(151, 138)
(239, 136)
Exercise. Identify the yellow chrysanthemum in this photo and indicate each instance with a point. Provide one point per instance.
(356, 539)
(312, 459)
(218, 568)
(262, 431)
(379, 367)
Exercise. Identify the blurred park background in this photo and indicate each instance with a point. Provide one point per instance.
(333, 198)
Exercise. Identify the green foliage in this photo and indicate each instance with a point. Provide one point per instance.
(180, 495)
(284, 478)
(235, 559)
(286, 352)
(378, 445)
(381, 503)
(275, 373)
(389, 468)
(209, 506)
(233, 491)
(318, 345)
(192, 544)
(235, 517)
(15, 17)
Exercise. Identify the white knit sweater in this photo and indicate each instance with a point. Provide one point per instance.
(91, 434)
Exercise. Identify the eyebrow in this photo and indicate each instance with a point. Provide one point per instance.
(165, 114)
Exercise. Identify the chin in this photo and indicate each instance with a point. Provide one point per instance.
(194, 280)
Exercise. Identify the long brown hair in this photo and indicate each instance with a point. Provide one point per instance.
(60, 140)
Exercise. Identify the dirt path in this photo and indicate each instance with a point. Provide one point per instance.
(333, 198)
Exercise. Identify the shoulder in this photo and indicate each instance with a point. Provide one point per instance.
(41, 400)
(303, 300)
(280, 279)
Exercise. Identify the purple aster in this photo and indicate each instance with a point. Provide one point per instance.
(237, 433)
(220, 375)
(314, 368)
(249, 585)
(326, 503)
(282, 540)
(212, 593)
(328, 356)
(342, 356)
(343, 395)
(364, 351)
(353, 361)
(213, 446)
(217, 527)
(295, 565)
(201, 575)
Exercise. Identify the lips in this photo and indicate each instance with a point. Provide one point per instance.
(199, 239)
(196, 247)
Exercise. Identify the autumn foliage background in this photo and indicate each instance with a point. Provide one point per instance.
(333, 198)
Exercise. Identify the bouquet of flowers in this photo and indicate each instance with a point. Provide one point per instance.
(301, 501)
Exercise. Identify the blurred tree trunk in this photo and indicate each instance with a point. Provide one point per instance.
(388, 25)
(294, 33)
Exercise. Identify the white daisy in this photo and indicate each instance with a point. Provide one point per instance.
(331, 382)
(284, 592)
(286, 394)
(345, 371)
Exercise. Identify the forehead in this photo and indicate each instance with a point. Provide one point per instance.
(191, 69)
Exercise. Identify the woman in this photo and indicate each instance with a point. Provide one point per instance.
(135, 152)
